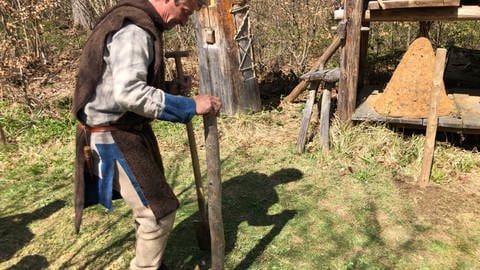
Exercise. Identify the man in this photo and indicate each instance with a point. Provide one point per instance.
(120, 89)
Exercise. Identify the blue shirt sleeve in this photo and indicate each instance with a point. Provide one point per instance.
(178, 109)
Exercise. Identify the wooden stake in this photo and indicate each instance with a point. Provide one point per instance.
(428, 149)
(325, 118)
(214, 192)
(307, 114)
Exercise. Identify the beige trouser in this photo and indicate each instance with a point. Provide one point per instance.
(151, 236)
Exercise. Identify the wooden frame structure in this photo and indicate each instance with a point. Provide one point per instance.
(354, 55)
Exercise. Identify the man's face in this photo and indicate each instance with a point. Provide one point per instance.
(178, 13)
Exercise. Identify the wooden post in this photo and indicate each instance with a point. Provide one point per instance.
(307, 114)
(363, 64)
(214, 192)
(325, 118)
(350, 58)
(428, 149)
(226, 56)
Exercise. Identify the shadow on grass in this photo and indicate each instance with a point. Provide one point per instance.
(15, 234)
(245, 198)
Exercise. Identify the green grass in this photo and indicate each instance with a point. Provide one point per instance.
(355, 208)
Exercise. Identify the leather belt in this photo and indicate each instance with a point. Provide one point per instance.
(111, 128)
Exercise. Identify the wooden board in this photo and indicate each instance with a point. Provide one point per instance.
(465, 119)
(391, 4)
(462, 13)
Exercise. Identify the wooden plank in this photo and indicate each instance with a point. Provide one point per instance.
(449, 122)
(428, 149)
(307, 114)
(220, 59)
(214, 192)
(363, 64)
(467, 117)
(366, 112)
(391, 4)
(462, 13)
(469, 107)
(404, 121)
(350, 60)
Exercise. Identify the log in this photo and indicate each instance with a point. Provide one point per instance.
(462, 13)
(214, 192)
(327, 75)
(391, 4)
(331, 49)
(350, 60)
(325, 118)
(428, 149)
(307, 114)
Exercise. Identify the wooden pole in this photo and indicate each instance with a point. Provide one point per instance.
(331, 49)
(347, 85)
(214, 192)
(428, 149)
(363, 65)
(203, 236)
(325, 118)
(307, 114)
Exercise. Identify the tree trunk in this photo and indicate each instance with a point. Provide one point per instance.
(82, 14)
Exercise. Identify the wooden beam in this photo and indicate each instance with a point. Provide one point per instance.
(326, 75)
(391, 4)
(350, 59)
(428, 149)
(463, 13)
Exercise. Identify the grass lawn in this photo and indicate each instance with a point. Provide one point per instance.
(356, 208)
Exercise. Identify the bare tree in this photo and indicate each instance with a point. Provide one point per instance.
(82, 14)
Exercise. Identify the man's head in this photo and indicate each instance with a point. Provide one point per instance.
(175, 12)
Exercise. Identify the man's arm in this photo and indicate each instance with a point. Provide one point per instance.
(131, 53)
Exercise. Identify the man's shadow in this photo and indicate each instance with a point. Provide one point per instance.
(15, 234)
(244, 198)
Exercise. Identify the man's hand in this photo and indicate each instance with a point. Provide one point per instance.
(181, 87)
(207, 104)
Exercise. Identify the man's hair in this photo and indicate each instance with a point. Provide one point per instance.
(199, 3)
